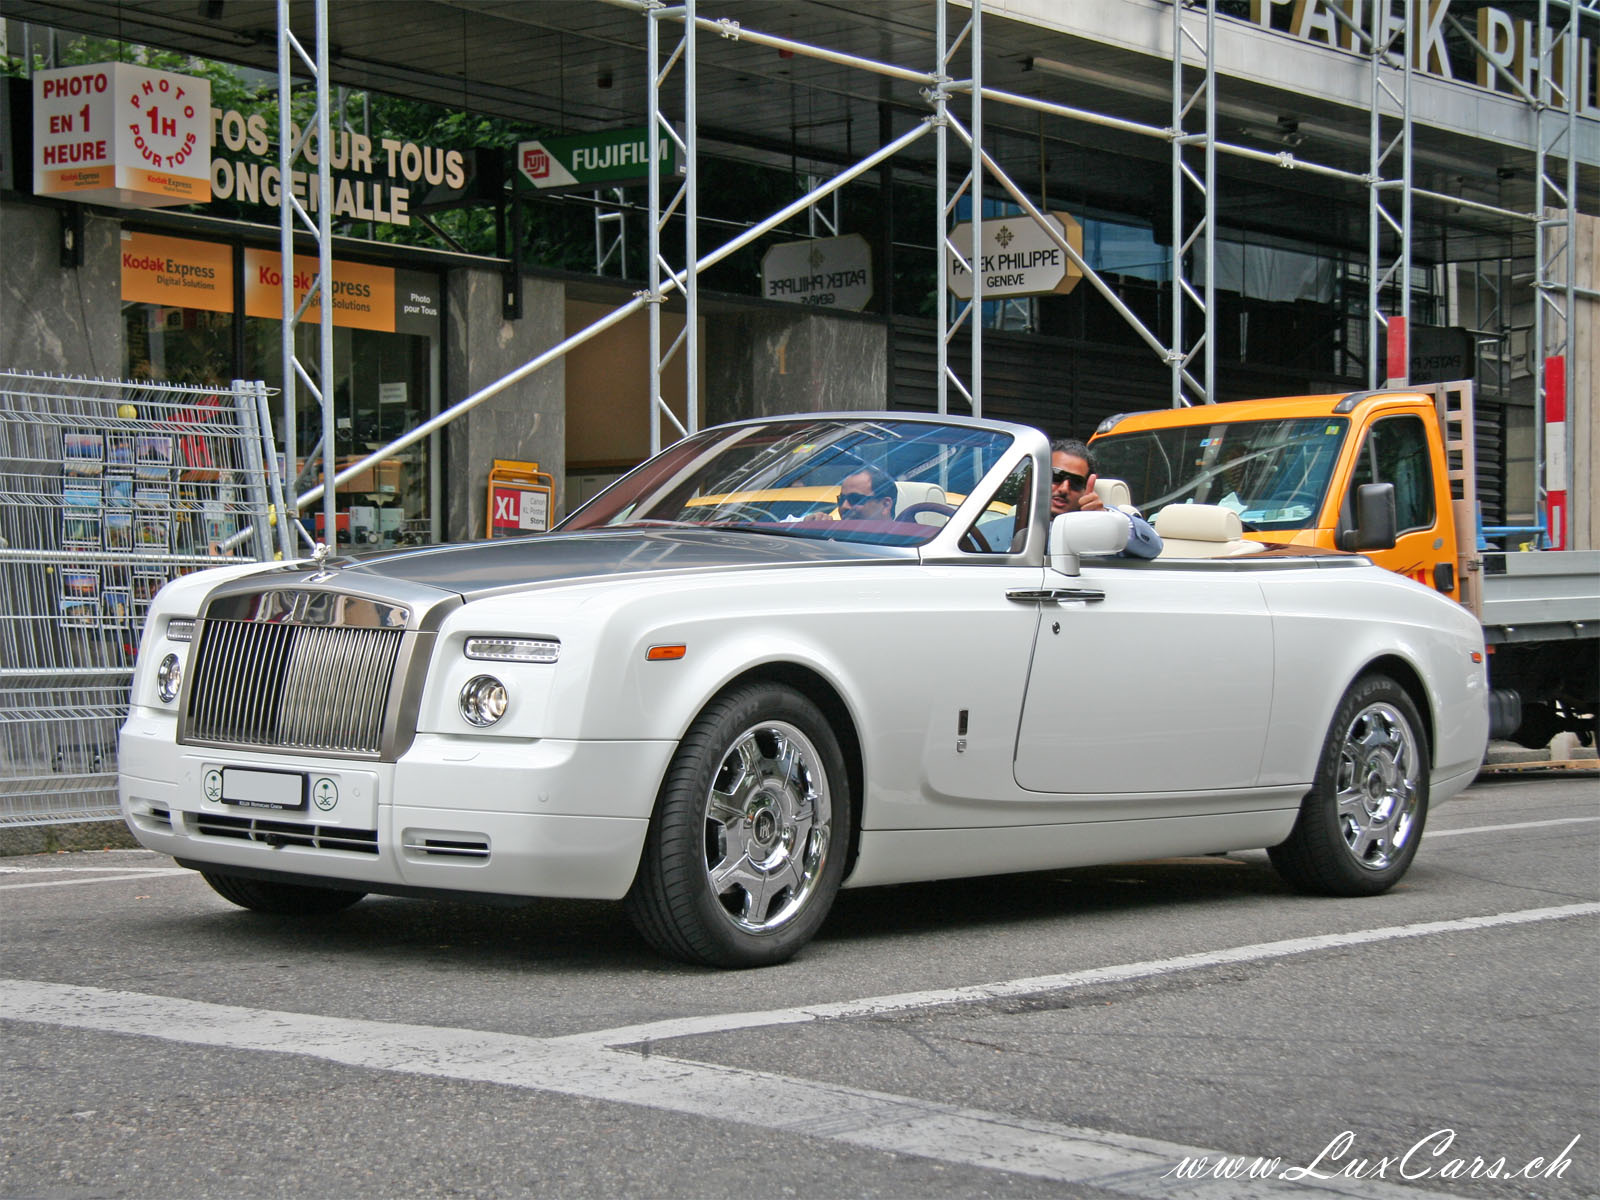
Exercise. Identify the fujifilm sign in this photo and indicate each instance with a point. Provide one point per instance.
(611, 158)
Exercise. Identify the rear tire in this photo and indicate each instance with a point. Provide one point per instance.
(745, 851)
(1361, 823)
(279, 899)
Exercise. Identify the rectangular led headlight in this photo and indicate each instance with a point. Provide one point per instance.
(180, 629)
(513, 649)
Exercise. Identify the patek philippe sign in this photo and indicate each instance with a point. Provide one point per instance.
(1442, 353)
(121, 134)
(823, 272)
(1018, 258)
(609, 158)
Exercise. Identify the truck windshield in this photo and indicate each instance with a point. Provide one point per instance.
(1274, 474)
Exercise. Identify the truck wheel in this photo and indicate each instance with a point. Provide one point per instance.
(280, 899)
(1361, 823)
(1540, 723)
(746, 846)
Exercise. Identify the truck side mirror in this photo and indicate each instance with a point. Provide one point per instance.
(1375, 519)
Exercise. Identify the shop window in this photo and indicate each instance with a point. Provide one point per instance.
(164, 344)
(383, 387)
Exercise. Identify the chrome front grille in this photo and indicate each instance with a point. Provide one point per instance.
(292, 687)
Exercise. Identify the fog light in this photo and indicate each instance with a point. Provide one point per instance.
(169, 676)
(483, 700)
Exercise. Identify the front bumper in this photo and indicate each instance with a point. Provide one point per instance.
(544, 818)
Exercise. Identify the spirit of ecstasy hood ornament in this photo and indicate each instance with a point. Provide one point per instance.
(319, 559)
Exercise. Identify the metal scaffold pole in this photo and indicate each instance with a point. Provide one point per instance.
(291, 213)
(1386, 32)
(969, 257)
(1555, 114)
(684, 198)
(1185, 242)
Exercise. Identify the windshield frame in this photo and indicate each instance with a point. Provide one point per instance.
(678, 462)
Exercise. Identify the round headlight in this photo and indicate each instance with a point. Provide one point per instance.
(483, 700)
(169, 676)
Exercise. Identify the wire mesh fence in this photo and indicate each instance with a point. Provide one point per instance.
(107, 491)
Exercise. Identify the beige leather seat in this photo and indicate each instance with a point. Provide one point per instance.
(907, 494)
(1202, 531)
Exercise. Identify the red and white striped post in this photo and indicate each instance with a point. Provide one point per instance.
(1555, 451)
(1398, 353)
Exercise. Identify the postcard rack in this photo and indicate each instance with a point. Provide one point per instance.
(107, 491)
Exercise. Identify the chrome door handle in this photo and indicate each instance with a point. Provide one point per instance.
(1054, 595)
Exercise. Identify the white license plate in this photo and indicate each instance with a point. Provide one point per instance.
(263, 789)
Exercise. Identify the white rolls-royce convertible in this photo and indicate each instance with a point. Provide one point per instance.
(788, 656)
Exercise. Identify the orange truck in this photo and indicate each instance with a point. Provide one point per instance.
(1390, 474)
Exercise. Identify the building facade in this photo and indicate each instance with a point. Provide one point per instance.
(1253, 190)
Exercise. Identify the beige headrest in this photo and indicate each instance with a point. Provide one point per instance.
(1199, 523)
(907, 494)
(1113, 493)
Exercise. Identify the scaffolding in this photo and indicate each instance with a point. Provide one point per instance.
(292, 216)
(956, 97)
(1391, 47)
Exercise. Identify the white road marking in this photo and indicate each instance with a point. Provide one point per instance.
(589, 1066)
(122, 875)
(1439, 833)
(977, 993)
(1130, 1166)
(55, 870)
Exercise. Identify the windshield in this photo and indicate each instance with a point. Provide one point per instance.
(885, 481)
(1274, 474)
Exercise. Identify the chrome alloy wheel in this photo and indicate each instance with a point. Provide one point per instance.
(1377, 787)
(768, 820)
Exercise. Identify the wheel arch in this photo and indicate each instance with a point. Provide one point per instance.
(1410, 681)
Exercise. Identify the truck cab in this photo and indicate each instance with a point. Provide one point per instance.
(1367, 471)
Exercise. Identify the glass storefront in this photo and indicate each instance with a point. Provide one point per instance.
(183, 323)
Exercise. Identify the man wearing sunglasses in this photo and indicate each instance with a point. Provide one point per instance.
(1072, 480)
(866, 495)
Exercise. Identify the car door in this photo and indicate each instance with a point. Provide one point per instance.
(1156, 678)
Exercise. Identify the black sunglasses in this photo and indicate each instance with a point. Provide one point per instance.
(1077, 482)
(852, 499)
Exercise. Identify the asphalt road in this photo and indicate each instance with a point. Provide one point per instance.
(1164, 1029)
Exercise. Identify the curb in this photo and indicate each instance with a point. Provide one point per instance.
(52, 839)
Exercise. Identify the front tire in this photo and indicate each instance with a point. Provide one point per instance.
(1361, 823)
(745, 851)
(279, 899)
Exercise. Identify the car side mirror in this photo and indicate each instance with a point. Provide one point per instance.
(1375, 519)
(1076, 535)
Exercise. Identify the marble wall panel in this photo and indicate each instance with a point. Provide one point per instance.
(52, 318)
(759, 364)
(527, 421)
